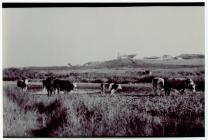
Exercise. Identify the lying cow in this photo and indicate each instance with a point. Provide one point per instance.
(179, 84)
(63, 85)
(23, 83)
(158, 84)
(110, 87)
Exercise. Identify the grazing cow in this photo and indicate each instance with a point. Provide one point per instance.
(23, 83)
(147, 72)
(48, 84)
(63, 85)
(110, 87)
(158, 84)
(179, 84)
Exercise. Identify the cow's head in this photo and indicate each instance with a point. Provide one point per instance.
(75, 85)
(26, 81)
(119, 86)
(190, 84)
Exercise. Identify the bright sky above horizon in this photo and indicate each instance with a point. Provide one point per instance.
(57, 36)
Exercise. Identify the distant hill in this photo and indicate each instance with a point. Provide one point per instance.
(198, 60)
(158, 62)
(191, 56)
(181, 56)
(92, 63)
(116, 63)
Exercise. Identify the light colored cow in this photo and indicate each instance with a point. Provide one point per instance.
(158, 85)
(110, 87)
(23, 83)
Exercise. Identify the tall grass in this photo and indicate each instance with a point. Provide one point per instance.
(71, 115)
(119, 116)
(16, 120)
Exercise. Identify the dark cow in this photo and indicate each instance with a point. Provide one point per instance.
(23, 83)
(158, 84)
(179, 84)
(110, 87)
(48, 84)
(63, 85)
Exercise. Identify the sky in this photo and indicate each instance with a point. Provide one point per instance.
(58, 36)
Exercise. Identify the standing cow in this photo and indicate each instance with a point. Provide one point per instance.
(63, 85)
(158, 84)
(179, 84)
(48, 84)
(110, 87)
(23, 83)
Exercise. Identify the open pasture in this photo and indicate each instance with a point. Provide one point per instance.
(90, 88)
(133, 111)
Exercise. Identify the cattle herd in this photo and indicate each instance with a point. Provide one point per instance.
(54, 85)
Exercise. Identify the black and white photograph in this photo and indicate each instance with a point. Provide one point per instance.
(76, 70)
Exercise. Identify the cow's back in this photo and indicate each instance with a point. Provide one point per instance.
(63, 85)
(177, 84)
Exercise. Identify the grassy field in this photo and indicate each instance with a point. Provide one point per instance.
(136, 113)
(133, 111)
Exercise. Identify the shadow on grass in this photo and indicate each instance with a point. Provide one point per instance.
(55, 118)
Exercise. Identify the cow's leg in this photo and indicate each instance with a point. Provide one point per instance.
(103, 91)
(51, 92)
(66, 91)
(165, 92)
(44, 90)
(154, 89)
(175, 92)
(181, 91)
(48, 92)
(168, 93)
(25, 88)
(113, 91)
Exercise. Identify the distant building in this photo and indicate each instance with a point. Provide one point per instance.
(125, 56)
(178, 58)
(152, 58)
(166, 57)
(69, 65)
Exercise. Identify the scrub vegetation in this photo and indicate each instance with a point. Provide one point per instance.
(133, 111)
